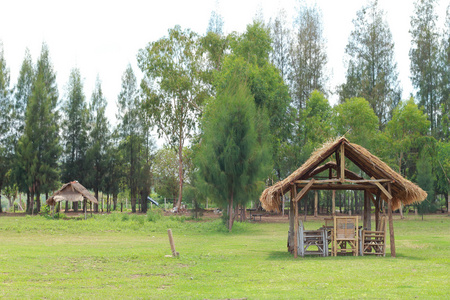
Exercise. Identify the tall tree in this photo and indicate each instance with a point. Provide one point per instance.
(280, 34)
(38, 148)
(22, 93)
(372, 71)
(424, 54)
(174, 88)
(231, 158)
(215, 23)
(444, 65)
(75, 129)
(5, 120)
(308, 56)
(99, 138)
(250, 61)
(130, 129)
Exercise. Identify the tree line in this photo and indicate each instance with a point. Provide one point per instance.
(237, 111)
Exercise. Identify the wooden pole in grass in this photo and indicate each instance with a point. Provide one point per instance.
(172, 244)
(391, 223)
(295, 223)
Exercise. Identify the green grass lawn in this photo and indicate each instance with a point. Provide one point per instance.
(124, 257)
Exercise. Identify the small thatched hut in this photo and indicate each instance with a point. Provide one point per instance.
(72, 192)
(382, 183)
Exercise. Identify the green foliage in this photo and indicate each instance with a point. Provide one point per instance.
(424, 57)
(372, 71)
(99, 142)
(165, 171)
(175, 85)
(406, 133)
(233, 156)
(356, 119)
(443, 168)
(6, 144)
(425, 179)
(75, 135)
(307, 55)
(154, 215)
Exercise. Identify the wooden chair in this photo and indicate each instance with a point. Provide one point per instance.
(315, 238)
(374, 242)
(345, 233)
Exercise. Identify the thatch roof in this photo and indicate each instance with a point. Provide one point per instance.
(73, 192)
(403, 190)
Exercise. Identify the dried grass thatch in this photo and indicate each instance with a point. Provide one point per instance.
(403, 190)
(73, 192)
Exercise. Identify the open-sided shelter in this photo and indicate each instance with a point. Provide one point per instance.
(382, 184)
(72, 192)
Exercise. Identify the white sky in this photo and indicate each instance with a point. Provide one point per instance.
(103, 37)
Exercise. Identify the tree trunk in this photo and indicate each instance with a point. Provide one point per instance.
(96, 197)
(133, 202)
(230, 210)
(115, 201)
(38, 202)
(180, 174)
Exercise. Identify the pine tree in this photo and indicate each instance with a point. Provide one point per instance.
(232, 158)
(99, 139)
(74, 127)
(372, 71)
(38, 148)
(5, 120)
(22, 94)
(130, 129)
(308, 56)
(424, 56)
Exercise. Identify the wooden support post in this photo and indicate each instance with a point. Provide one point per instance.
(316, 204)
(172, 244)
(291, 220)
(333, 203)
(377, 212)
(391, 223)
(85, 209)
(295, 224)
(367, 206)
(342, 175)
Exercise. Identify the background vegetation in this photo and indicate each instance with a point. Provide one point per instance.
(48, 138)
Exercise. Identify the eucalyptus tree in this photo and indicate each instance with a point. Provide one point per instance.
(424, 58)
(130, 130)
(371, 69)
(5, 120)
(99, 139)
(174, 88)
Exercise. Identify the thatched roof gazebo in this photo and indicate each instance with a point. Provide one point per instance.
(72, 192)
(383, 183)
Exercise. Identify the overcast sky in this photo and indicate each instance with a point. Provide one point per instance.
(103, 37)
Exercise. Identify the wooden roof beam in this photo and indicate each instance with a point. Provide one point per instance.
(304, 190)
